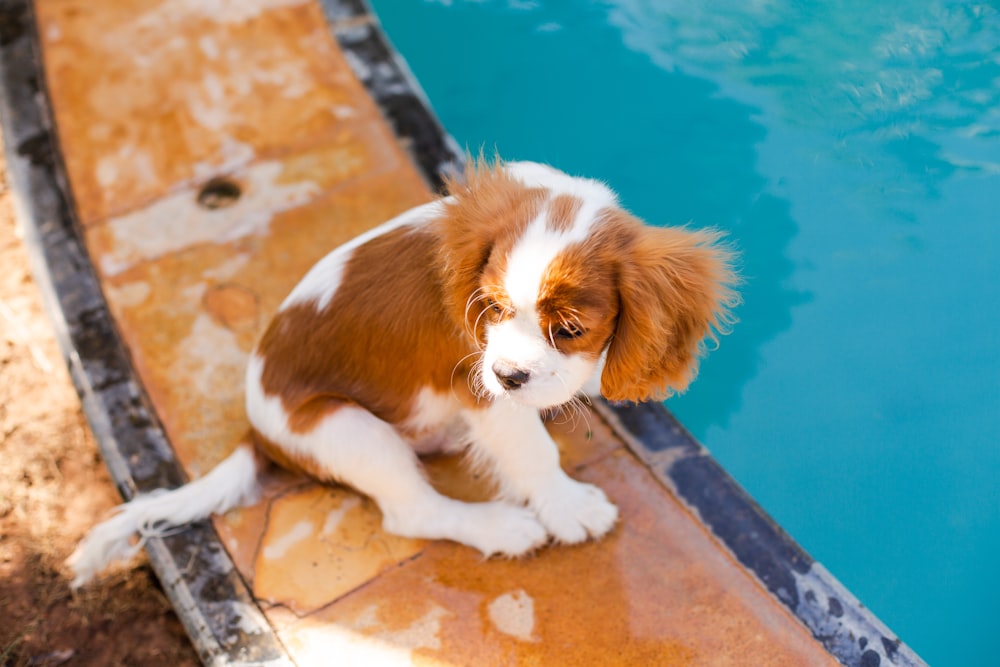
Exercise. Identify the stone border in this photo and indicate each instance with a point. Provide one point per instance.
(218, 611)
(395, 90)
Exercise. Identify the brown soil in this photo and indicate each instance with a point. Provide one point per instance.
(53, 485)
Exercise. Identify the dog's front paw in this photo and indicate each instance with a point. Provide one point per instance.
(573, 511)
(506, 530)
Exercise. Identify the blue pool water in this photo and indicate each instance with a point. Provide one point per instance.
(852, 151)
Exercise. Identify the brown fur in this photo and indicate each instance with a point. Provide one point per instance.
(675, 289)
(382, 338)
(580, 289)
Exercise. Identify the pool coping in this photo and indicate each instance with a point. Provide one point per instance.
(198, 576)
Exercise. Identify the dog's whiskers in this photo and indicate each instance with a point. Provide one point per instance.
(573, 411)
(475, 380)
(575, 407)
(472, 372)
(476, 327)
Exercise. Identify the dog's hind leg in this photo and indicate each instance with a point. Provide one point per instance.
(352, 446)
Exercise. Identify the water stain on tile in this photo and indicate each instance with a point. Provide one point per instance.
(212, 358)
(513, 614)
(178, 221)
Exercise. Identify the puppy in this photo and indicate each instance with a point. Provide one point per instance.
(454, 326)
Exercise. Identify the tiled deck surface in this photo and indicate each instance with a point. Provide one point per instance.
(154, 97)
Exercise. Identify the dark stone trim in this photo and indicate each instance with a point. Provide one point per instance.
(197, 574)
(395, 90)
(848, 631)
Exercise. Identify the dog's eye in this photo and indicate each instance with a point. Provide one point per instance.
(494, 306)
(568, 332)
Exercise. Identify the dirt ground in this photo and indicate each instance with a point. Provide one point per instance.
(52, 486)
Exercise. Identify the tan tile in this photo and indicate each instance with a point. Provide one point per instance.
(583, 437)
(657, 591)
(321, 543)
(241, 530)
(151, 95)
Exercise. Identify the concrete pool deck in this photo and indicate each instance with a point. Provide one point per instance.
(179, 166)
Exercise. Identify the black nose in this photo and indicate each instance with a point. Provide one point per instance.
(509, 376)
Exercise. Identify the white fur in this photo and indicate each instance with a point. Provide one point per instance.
(371, 456)
(230, 484)
(539, 175)
(554, 378)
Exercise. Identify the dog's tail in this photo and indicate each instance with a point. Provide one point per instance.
(230, 484)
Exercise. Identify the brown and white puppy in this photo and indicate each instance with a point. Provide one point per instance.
(454, 326)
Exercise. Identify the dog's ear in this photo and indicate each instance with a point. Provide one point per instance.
(486, 210)
(675, 290)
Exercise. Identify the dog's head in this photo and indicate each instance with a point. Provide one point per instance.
(558, 285)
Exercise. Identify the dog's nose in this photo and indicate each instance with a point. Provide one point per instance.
(509, 376)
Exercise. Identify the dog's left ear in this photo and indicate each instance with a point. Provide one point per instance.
(675, 290)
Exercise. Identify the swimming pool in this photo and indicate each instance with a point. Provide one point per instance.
(852, 151)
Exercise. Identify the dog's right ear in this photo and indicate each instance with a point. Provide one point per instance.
(486, 210)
